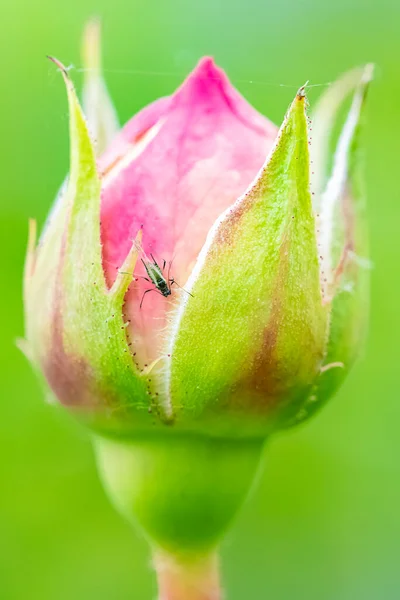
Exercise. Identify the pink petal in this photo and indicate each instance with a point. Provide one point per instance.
(174, 169)
(133, 132)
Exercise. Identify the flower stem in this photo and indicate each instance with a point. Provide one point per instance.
(182, 490)
(178, 580)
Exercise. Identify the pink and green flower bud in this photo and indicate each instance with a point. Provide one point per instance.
(183, 369)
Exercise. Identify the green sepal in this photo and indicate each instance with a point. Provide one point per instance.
(324, 120)
(249, 342)
(348, 288)
(97, 104)
(78, 335)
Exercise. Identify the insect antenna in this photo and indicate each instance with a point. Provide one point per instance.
(172, 281)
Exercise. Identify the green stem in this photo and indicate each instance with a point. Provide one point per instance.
(182, 490)
(188, 581)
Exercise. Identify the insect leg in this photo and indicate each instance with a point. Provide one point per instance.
(170, 281)
(146, 292)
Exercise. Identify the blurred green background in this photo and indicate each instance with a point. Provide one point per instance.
(324, 523)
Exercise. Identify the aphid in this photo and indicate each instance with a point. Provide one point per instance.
(162, 284)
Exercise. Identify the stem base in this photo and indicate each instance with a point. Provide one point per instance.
(183, 491)
(189, 581)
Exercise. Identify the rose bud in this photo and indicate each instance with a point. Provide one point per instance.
(189, 296)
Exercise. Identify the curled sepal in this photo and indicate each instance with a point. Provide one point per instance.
(324, 121)
(344, 247)
(97, 104)
(76, 330)
(251, 338)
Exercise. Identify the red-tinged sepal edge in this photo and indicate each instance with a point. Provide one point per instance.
(76, 333)
(251, 340)
(342, 236)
